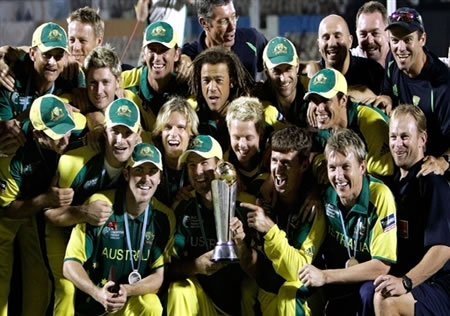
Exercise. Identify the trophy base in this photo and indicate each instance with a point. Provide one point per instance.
(224, 252)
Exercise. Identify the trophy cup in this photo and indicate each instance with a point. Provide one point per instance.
(224, 189)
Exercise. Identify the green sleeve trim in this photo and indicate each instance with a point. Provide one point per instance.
(252, 47)
(73, 259)
(385, 259)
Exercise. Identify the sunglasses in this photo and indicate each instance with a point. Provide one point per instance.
(405, 17)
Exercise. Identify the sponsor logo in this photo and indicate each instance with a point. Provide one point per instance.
(388, 223)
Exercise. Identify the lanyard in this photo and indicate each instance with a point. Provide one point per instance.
(127, 232)
(347, 243)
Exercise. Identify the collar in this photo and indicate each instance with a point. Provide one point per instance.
(412, 173)
(362, 203)
(119, 203)
(146, 90)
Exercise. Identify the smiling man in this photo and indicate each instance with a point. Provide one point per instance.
(371, 21)
(87, 171)
(333, 109)
(361, 243)
(155, 82)
(139, 224)
(218, 18)
(416, 76)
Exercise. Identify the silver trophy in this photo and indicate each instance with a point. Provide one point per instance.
(224, 190)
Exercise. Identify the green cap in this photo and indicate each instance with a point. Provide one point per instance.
(123, 112)
(49, 114)
(203, 145)
(279, 51)
(160, 32)
(49, 36)
(143, 153)
(327, 83)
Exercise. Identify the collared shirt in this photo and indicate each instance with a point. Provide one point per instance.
(248, 46)
(430, 91)
(99, 248)
(423, 212)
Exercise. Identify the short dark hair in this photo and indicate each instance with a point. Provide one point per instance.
(292, 138)
(205, 8)
(239, 76)
(372, 7)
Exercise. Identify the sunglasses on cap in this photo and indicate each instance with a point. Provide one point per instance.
(404, 16)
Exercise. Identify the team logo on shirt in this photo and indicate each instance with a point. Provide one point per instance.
(415, 100)
(190, 222)
(149, 236)
(159, 31)
(2, 186)
(280, 49)
(123, 110)
(54, 35)
(56, 114)
(330, 210)
(388, 223)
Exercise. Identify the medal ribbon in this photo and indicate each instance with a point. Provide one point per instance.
(347, 243)
(127, 233)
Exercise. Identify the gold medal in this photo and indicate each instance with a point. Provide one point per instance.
(351, 262)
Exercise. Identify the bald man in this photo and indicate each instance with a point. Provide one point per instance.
(334, 45)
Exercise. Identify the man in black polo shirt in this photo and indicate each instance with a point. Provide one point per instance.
(419, 284)
(414, 75)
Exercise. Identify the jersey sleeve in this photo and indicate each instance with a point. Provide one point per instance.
(383, 244)
(375, 128)
(80, 246)
(287, 259)
(9, 182)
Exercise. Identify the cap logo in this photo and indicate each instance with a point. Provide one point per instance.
(123, 110)
(320, 79)
(280, 49)
(55, 35)
(159, 31)
(56, 114)
(147, 152)
(196, 143)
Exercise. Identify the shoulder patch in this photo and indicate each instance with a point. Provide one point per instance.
(388, 223)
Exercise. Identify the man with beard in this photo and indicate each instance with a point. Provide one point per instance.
(371, 21)
(419, 283)
(361, 242)
(416, 76)
(87, 171)
(218, 19)
(26, 190)
(333, 109)
(176, 124)
(200, 286)
(283, 88)
(155, 82)
(284, 242)
(334, 43)
(99, 259)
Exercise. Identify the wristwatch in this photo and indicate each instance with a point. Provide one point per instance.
(407, 283)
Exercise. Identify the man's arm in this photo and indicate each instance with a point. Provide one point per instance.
(247, 256)
(149, 284)
(95, 213)
(182, 269)
(435, 258)
(369, 270)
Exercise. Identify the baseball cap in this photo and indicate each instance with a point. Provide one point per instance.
(49, 114)
(203, 145)
(160, 32)
(49, 36)
(143, 153)
(326, 83)
(279, 51)
(406, 18)
(123, 112)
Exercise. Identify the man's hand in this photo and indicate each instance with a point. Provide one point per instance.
(7, 79)
(71, 69)
(113, 302)
(80, 99)
(96, 213)
(311, 276)
(184, 193)
(389, 285)
(433, 165)
(384, 103)
(184, 68)
(11, 137)
(237, 230)
(311, 115)
(58, 197)
(141, 9)
(204, 264)
(258, 219)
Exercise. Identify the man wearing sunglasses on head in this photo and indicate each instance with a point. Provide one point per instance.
(414, 75)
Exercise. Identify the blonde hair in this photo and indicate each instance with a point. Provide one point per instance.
(415, 112)
(246, 109)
